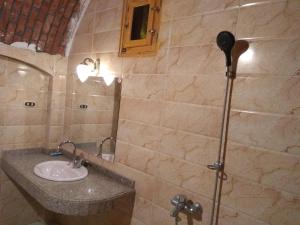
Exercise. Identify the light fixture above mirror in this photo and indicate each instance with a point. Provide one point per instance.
(91, 68)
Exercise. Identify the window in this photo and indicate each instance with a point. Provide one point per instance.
(140, 26)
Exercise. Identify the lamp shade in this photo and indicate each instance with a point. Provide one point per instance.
(83, 72)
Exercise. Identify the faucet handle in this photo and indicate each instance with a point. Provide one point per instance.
(178, 200)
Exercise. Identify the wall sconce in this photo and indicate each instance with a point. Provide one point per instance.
(91, 68)
(88, 67)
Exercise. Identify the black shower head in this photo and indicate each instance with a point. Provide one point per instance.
(225, 41)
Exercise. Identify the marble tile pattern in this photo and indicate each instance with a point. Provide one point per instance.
(171, 109)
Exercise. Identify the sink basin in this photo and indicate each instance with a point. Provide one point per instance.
(59, 171)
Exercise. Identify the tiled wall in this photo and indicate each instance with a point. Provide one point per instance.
(171, 108)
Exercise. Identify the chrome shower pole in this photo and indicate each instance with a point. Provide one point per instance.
(218, 166)
(225, 41)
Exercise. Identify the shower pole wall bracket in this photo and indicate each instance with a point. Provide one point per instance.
(225, 41)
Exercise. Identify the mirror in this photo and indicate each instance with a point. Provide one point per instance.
(140, 22)
(92, 115)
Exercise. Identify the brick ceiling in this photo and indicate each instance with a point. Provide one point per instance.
(41, 22)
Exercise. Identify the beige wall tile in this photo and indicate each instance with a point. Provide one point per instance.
(274, 57)
(202, 29)
(87, 23)
(282, 20)
(103, 4)
(200, 90)
(141, 110)
(106, 41)
(82, 44)
(146, 65)
(178, 9)
(281, 171)
(267, 94)
(278, 133)
(192, 118)
(149, 87)
(195, 60)
(108, 20)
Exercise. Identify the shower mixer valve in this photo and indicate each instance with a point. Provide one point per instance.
(184, 205)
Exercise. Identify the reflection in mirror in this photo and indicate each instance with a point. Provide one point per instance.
(93, 116)
(24, 104)
(140, 22)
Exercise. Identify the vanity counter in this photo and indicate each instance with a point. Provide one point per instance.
(101, 190)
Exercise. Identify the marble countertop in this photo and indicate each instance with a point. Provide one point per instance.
(100, 190)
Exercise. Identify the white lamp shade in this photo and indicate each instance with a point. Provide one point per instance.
(83, 72)
(108, 79)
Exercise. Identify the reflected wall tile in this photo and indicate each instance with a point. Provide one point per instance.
(12, 97)
(108, 20)
(201, 90)
(278, 133)
(196, 60)
(146, 64)
(94, 102)
(22, 134)
(281, 171)
(2, 113)
(92, 86)
(58, 100)
(274, 57)
(91, 117)
(141, 110)
(59, 83)
(106, 41)
(267, 94)
(202, 29)
(25, 116)
(150, 87)
(90, 131)
(191, 118)
(82, 43)
(56, 117)
(281, 20)
(60, 65)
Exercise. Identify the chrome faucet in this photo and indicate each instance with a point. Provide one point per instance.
(77, 161)
(179, 201)
(101, 145)
(187, 206)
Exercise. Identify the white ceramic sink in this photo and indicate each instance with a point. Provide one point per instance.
(59, 171)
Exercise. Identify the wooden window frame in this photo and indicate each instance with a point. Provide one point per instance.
(144, 47)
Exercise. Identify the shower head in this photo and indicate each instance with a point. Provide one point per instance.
(225, 41)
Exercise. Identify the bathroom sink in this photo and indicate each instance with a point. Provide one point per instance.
(59, 171)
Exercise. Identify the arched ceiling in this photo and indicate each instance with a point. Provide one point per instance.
(45, 23)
